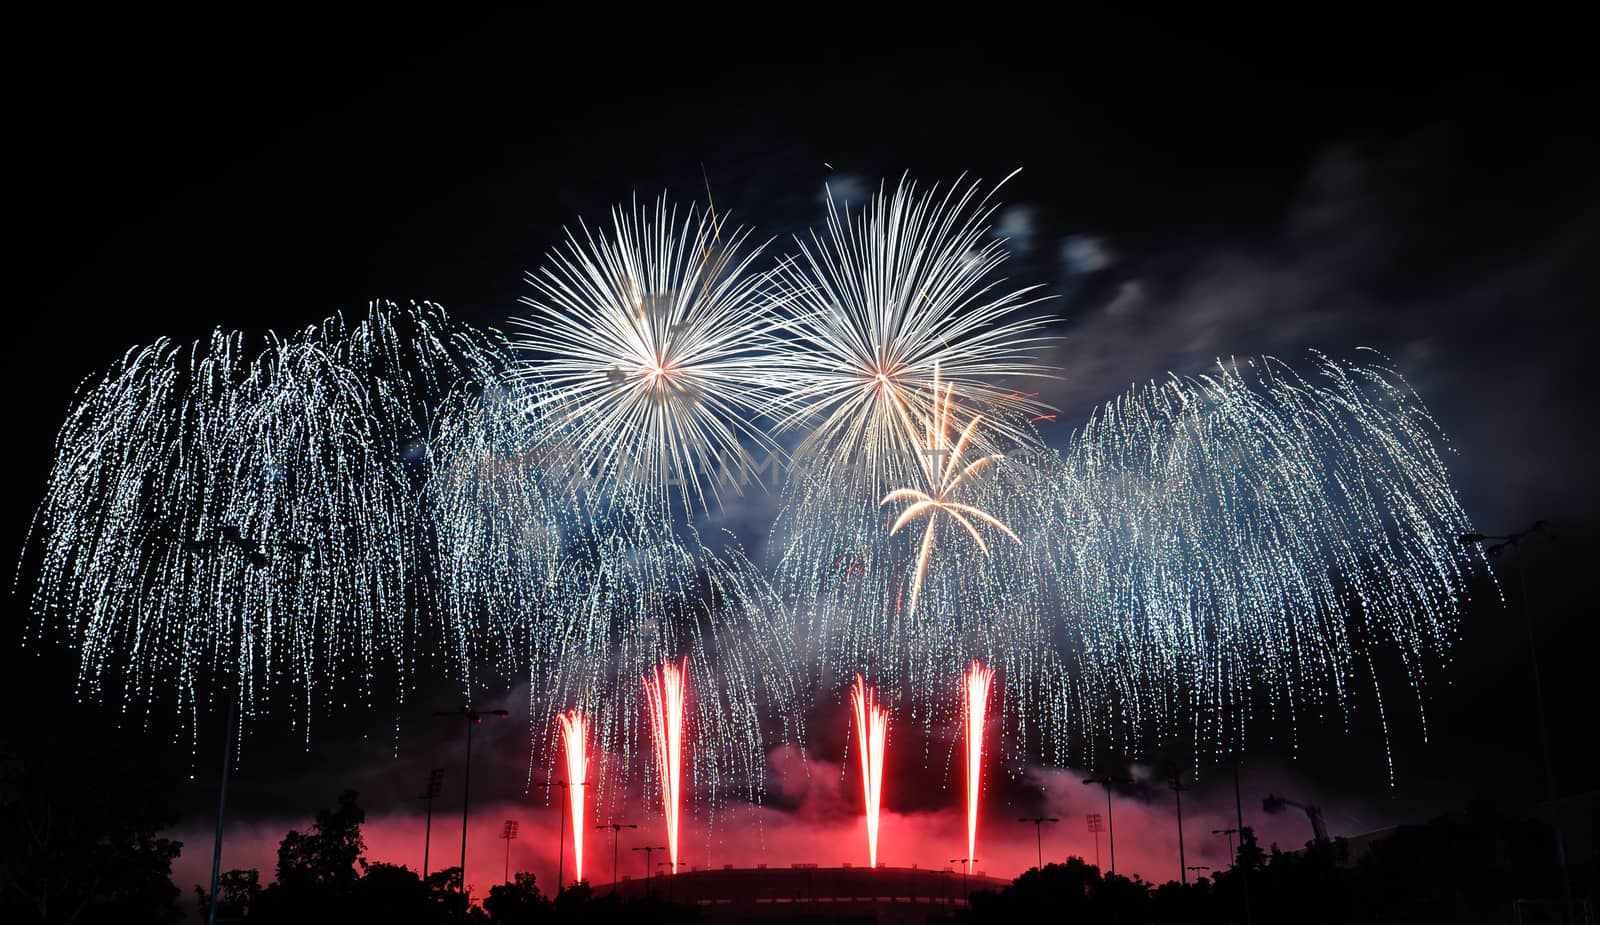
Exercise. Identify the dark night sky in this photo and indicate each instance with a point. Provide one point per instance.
(1269, 186)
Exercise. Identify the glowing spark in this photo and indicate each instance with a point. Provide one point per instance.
(575, 743)
(665, 692)
(975, 700)
(872, 733)
(944, 472)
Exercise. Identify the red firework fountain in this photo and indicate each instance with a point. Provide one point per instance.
(575, 743)
(975, 699)
(664, 690)
(872, 734)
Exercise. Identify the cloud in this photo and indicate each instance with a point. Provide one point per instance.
(1018, 225)
(1083, 254)
(1375, 249)
(847, 189)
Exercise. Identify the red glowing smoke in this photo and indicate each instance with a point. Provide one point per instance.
(975, 698)
(575, 744)
(664, 691)
(872, 734)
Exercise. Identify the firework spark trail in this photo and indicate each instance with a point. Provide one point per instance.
(575, 586)
(655, 346)
(500, 531)
(872, 735)
(634, 596)
(944, 471)
(1239, 543)
(850, 586)
(879, 302)
(975, 705)
(575, 746)
(665, 690)
(1213, 556)
(240, 514)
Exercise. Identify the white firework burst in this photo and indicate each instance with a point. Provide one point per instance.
(881, 300)
(653, 343)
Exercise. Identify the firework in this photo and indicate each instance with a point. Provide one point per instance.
(241, 513)
(575, 746)
(944, 470)
(499, 515)
(664, 690)
(880, 301)
(653, 345)
(1235, 546)
(636, 597)
(574, 588)
(975, 704)
(872, 734)
(1208, 555)
(865, 601)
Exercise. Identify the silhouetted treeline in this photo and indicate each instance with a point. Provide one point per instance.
(323, 876)
(81, 844)
(1472, 867)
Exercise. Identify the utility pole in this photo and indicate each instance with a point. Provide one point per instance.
(648, 871)
(616, 837)
(1514, 541)
(966, 871)
(1111, 822)
(1229, 833)
(1177, 788)
(1238, 808)
(222, 804)
(430, 793)
(1038, 838)
(509, 833)
(561, 833)
(473, 718)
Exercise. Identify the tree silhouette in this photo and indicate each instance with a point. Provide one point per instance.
(518, 902)
(81, 838)
(318, 870)
(237, 892)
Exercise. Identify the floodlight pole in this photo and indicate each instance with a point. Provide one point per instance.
(1038, 837)
(616, 838)
(473, 718)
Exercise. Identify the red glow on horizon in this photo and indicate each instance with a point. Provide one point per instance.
(975, 699)
(872, 735)
(665, 691)
(575, 744)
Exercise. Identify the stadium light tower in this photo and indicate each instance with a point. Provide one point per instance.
(1096, 825)
(509, 833)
